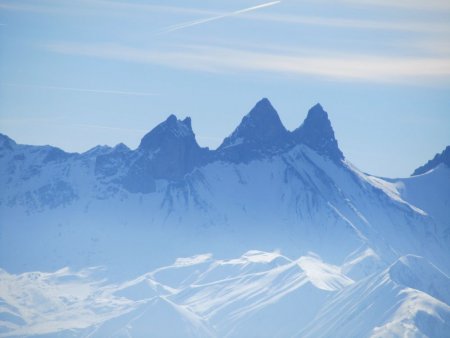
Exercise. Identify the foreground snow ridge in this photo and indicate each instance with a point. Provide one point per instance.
(263, 294)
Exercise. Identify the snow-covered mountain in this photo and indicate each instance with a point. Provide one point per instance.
(260, 294)
(327, 248)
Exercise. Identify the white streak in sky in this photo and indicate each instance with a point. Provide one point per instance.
(83, 90)
(377, 68)
(217, 17)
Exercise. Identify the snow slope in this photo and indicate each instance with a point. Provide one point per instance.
(408, 299)
(212, 298)
(259, 294)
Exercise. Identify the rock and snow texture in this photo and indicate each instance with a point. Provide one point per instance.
(259, 294)
(408, 299)
(329, 251)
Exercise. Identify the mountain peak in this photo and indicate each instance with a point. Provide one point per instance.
(258, 131)
(187, 122)
(259, 118)
(263, 106)
(318, 134)
(318, 117)
(317, 111)
(169, 150)
(171, 128)
(443, 157)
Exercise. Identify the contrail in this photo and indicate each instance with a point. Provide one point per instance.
(217, 17)
(83, 90)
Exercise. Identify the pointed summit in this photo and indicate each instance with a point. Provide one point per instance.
(259, 131)
(317, 133)
(170, 149)
(171, 128)
(443, 157)
(263, 110)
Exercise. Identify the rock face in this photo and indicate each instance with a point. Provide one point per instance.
(316, 132)
(260, 132)
(169, 151)
(172, 149)
(443, 158)
(6, 144)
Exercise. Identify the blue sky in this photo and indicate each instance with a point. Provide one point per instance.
(77, 73)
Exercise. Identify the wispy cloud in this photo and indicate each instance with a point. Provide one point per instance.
(97, 6)
(435, 5)
(26, 7)
(146, 7)
(83, 90)
(411, 26)
(216, 59)
(114, 7)
(216, 17)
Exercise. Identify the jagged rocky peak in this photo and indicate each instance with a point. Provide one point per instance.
(261, 127)
(170, 129)
(170, 150)
(442, 158)
(317, 133)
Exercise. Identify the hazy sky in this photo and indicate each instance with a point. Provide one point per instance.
(77, 73)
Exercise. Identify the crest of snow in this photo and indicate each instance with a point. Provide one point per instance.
(50, 302)
(410, 319)
(362, 263)
(254, 256)
(193, 260)
(364, 255)
(378, 306)
(324, 276)
(389, 188)
(429, 191)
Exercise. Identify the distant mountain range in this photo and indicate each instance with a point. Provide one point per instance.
(273, 234)
(442, 158)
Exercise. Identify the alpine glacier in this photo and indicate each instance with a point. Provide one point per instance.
(273, 234)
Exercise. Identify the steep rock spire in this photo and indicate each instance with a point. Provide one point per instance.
(169, 150)
(166, 132)
(259, 132)
(317, 133)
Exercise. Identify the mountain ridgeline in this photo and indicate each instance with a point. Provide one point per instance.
(170, 150)
(442, 158)
(232, 242)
